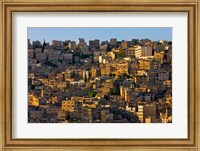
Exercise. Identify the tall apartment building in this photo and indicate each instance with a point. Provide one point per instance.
(113, 42)
(134, 51)
(56, 43)
(146, 112)
(146, 51)
(94, 44)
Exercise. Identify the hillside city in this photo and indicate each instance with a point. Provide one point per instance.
(100, 81)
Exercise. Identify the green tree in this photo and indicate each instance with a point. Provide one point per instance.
(92, 93)
(116, 90)
(121, 53)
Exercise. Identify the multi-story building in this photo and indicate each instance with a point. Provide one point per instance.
(33, 100)
(36, 44)
(94, 71)
(163, 76)
(122, 68)
(106, 116)
(124, 45)
(62, 115)
(35, 116)
(84, 49)
(87, 115)
(99, 52)
(104, 45)
(145, 64)
(159, 56)
(30, 54)
(134, 51)
(56, 43)
(29, 45)
(68, 105)
(105, 69)
(113, 42)
(40, 56)
(72, 45)
(112, 55)
(94, 44)
(53, 55)
(61, 85)
(136, 41)
(146, 111)
(81, 41)
(68, 57)
(146, 51)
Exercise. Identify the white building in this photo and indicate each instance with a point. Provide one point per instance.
(134, 51)
(100, 59)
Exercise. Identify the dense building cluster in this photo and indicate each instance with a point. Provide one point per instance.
(100, 81)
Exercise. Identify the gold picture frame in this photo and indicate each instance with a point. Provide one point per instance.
(8, 7)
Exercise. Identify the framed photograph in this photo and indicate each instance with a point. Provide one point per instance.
(88, 75)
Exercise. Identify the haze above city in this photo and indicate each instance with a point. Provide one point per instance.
(101, 33)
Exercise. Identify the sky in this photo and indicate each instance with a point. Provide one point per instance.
(101, 33)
